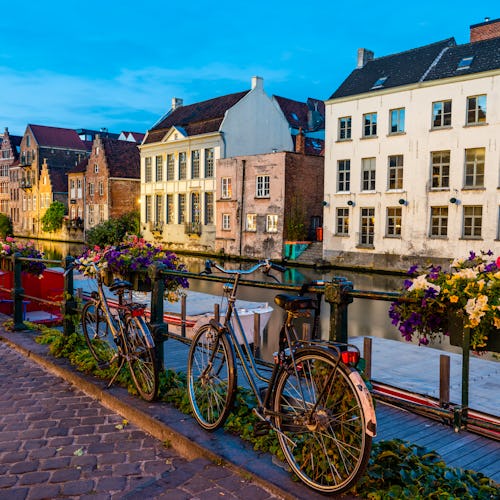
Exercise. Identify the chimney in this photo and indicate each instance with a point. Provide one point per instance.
(364, 55)
(485, 30)
(176, 102)
(257, 82)
(300, 142)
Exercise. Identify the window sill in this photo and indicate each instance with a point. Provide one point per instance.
(392, 134)
(444, 127)
(365, 245)
(478, 124)
(474, 188)
(393, 236)
(366, 137)
(438, 189)
(437, 237)
(341, 235)
(344, 140)
(475, 238)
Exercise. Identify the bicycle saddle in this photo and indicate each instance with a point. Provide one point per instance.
(117, 284)
(293, 302)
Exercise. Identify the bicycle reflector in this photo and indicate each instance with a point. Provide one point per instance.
(350, 357)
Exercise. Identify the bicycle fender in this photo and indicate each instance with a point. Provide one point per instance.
(366, 401)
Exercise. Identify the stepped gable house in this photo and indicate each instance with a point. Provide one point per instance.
(107, 184)
(179, 160)
(9, 157)
(46, 156)
(412, 154)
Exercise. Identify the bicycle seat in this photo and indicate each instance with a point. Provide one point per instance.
(293, 302)
(118, 284)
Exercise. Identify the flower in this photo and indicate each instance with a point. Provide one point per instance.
(470, 290)
(135, 255)
(10, 246)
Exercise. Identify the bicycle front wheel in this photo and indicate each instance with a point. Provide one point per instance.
(321, 422)
(97, 334)
(211, 377)
(141, 358)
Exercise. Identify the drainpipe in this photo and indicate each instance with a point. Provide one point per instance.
(243, 168)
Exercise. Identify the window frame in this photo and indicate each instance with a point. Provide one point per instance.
(263, 186)
(394, 222)
(474, 169)
(226, 190)
(209, 207)
(182, 165)
(367, 227)
(226, 222)
(368, 175)
(148, 169)
(344, 128)
(195, 164)
(475, 110)
(344, 175)
(473, 222)
(370, 125)
(342, 215)
(170, 167)
(251, 223)
(445, 118)
(209, 162)
(439, 218)
(159, 168)
(395, 172)
(271, 223)
(399, 123)
(440, 170)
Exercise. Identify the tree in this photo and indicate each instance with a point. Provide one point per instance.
(5, 226)
(114, 230)
(53, 218)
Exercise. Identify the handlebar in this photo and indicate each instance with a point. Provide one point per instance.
(265, 265)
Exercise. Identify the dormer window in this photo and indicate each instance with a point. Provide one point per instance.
(465, 63)
(380, 82)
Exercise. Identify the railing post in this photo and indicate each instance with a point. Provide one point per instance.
(256, 334)
(69, 302)
(337, 294)
(17, 293)
(183, 315)
(368, 356)
(159, 328)
(465, 373)
(444, 380)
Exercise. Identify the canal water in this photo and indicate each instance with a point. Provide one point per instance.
(366, 317)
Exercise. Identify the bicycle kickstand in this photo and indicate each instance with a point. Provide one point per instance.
(122, 362)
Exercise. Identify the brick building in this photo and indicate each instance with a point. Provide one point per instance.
(9, 157)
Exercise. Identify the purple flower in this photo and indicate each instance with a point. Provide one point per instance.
(412, 270)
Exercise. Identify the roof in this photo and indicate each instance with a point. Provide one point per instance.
(58, 180)
(485, 57)
(400, 69)
(57, 137)
(308, 115)
(122, 157)
(199, 118)
(80, 167)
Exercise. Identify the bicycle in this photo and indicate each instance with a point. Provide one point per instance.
(315, 399)
(119, 332)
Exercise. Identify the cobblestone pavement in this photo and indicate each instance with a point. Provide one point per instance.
(56, 442)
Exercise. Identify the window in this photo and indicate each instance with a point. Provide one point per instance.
(91, 214)
(271, 223)
(440, 169)
(91, 189)
(368, 174)
(195, 208)
(251, 222)
(96, 168)
(465, 63)
(439, 222)
(226, 191)
(395, 172)
(159, 168)
(262, 190)
(379, 83)
(441, 114)
(370, 125)
(158, 208)
(209, 162)
(182, 165)
(147, 169)
(209, 208)
(170, 167)
(342, 222)
(147, 208)
(344, 128)
(170, 209)
(226, 222)
(394, 222)
(101, 213)
(397, 121)
(101, 188)
(367, 226)
(473, 221)
(474, 167)
(79, 188)
(343, 175)
(476, 109)
(195, 164)
(182, 208)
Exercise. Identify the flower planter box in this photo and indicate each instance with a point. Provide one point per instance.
(456, 333)
(140, 281)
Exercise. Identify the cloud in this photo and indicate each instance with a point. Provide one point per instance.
(142, 96)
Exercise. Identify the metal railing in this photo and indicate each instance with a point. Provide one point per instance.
(338, 293)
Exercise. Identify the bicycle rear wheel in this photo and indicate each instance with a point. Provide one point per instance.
(141, 357)
(211, 378)
(322, 421)
(97, 334)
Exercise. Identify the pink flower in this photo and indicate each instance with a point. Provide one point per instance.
(498, 262)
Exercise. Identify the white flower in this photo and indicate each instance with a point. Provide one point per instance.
(421, 283)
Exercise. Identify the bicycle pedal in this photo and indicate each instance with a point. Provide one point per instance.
(261, 428)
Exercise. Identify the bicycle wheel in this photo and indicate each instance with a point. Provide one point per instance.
(141, 357)
(321, 420)
(211, 378)
(97, 335)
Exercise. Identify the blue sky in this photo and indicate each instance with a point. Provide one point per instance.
(117, 65)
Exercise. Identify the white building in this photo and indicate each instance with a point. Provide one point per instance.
(412, 155)
(179, 155)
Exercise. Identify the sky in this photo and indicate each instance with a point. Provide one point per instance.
(117, 65)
